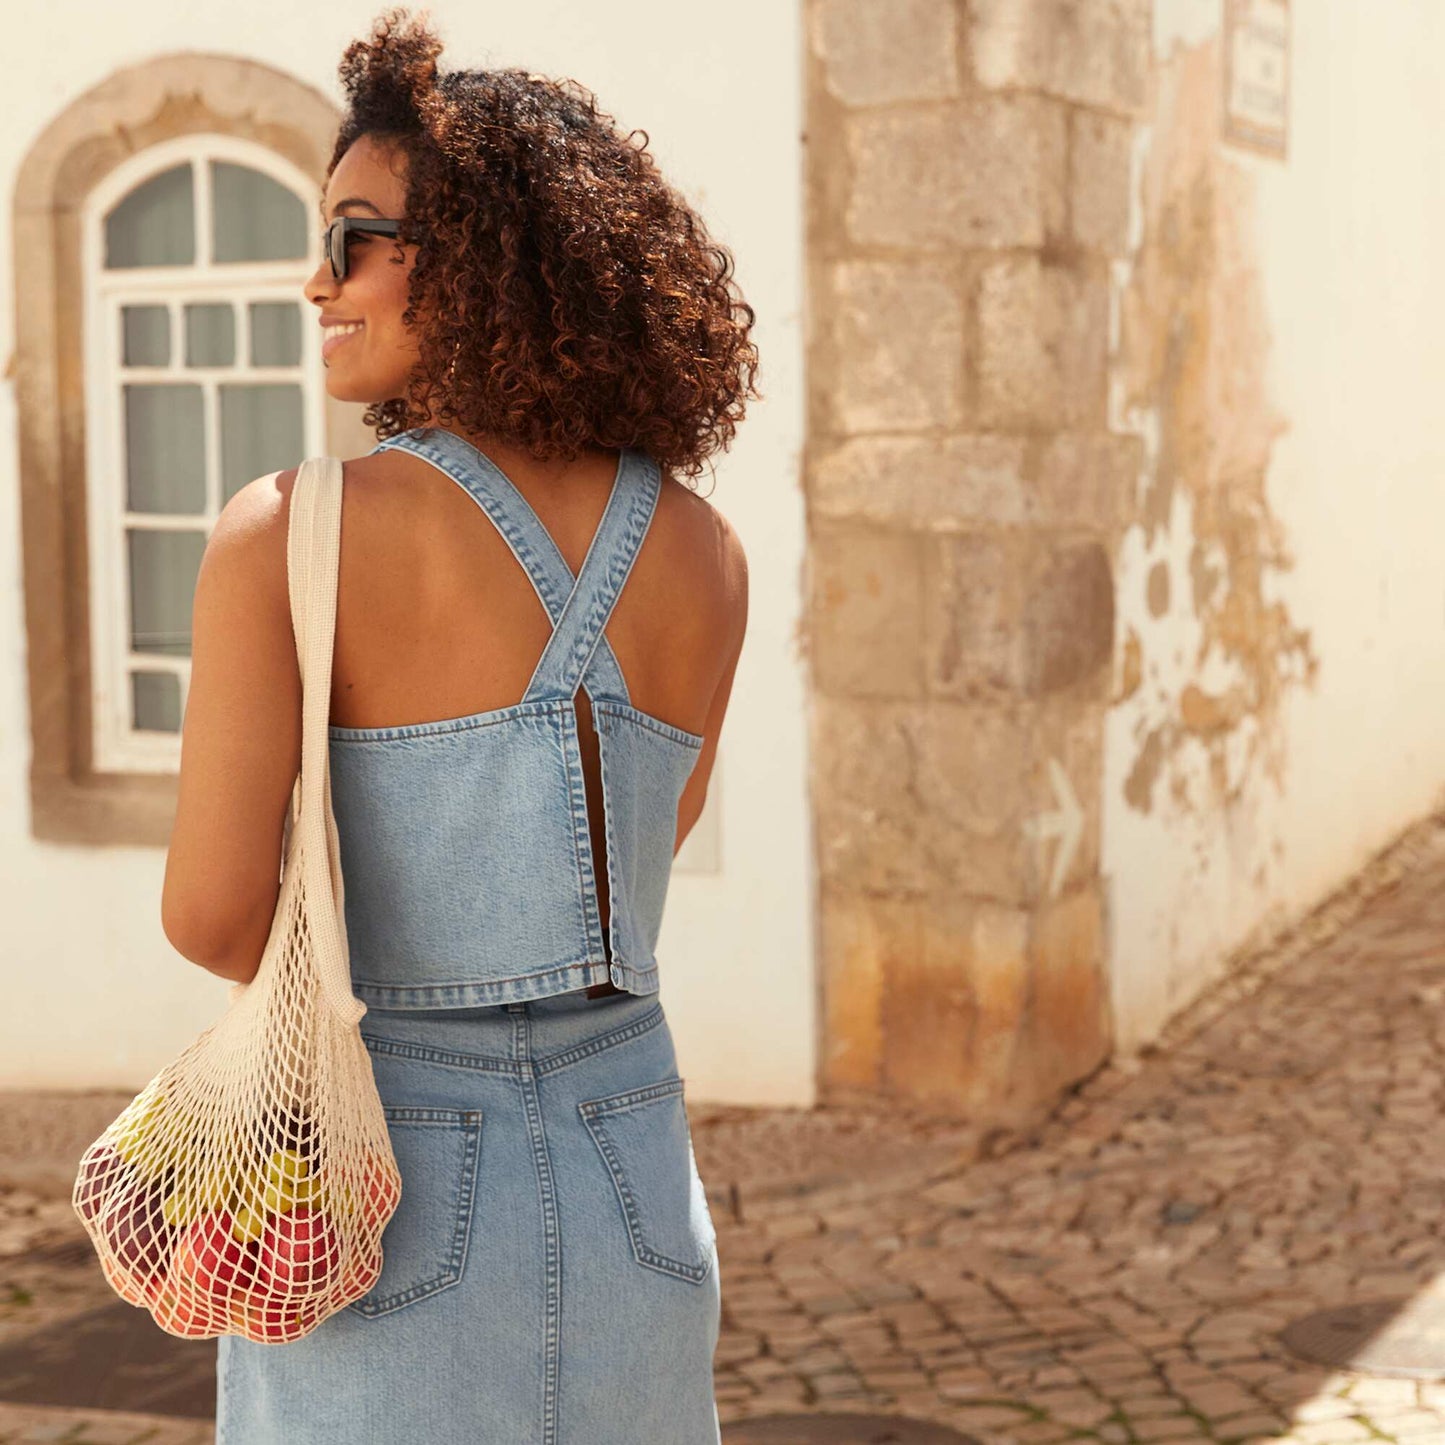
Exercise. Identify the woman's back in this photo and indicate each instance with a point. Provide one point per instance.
(438, 619)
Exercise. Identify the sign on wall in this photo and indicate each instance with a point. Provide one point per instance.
(1256, 74)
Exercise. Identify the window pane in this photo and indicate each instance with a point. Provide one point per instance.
(165, 449)
(211, 334)
(155, 702)
(255, 219)
(261, 432)
(163, 569)
(155, 225)
(145, 335)
(275, 333)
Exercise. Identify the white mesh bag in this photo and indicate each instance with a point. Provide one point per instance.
(245, 1189)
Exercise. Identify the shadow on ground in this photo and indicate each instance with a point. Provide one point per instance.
(110, 1358)
(840, 1430)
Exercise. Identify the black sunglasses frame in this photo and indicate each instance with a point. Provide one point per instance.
(333, 239)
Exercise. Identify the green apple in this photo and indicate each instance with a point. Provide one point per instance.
(138, 1138)
(247, 1224)
(288, 1182)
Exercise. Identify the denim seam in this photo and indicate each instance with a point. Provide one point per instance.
(628, 713)
(571, 750)
(555, 1063)
(588, 633)
(475, 1063)
(640, 981)
(581, 636)
(513, 712)
(492, 1064)
(630, 1098)
(552, 1244)
(503, 521)
(616, 902)
(550, 971)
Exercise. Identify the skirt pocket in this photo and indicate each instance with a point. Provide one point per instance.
(646, 1146)
(424, 1245)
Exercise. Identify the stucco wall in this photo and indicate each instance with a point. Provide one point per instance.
(1280, 639)
(95, 995)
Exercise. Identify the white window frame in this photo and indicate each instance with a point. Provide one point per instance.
(116, 745)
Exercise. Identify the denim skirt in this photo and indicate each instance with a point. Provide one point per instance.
(550, 1276)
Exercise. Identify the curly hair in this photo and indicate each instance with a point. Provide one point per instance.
(567, 295)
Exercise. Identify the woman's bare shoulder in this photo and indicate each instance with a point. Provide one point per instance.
(701, 537)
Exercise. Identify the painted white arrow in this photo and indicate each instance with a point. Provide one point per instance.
(1067, 825)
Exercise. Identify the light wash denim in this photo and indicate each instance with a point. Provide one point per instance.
(550, 1276)
(464, 844)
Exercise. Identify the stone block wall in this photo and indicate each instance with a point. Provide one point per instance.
(968, 188)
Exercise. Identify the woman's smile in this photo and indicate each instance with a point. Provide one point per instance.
(338, 337)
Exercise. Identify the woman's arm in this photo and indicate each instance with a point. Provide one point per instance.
(240, 740)
(735, 582)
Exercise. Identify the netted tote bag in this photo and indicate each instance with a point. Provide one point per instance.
(245, 1189)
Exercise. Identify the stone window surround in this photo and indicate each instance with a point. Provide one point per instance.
(155, 100)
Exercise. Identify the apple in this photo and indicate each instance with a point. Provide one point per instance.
(137, 1136)
(203, 1189)
(180, 1207)
(102, 1172)
(380, 1190)
(125, 1286)
(338, 1196)
(141, 1242)
(209, 1259)
(180, 1310)
(288, 1182)
(299, 1251)
(247, 1224)
(359, 1276)
(269, 1321)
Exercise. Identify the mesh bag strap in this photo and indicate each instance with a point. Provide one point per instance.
(313, 555)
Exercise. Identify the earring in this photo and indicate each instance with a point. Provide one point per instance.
(451, 370)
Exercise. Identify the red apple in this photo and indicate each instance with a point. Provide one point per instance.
(124, 1285)
(179, 1310)
(300, 1251)
(140, 1240)
(358, 1277)
(380, 1190)
(268, 1321)
(102, 1173)
(209, 1258)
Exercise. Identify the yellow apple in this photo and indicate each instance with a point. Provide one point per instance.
(247, 1224)
(288, 1182)
(138, 1138)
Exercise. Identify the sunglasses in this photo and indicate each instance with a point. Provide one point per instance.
(333, 239)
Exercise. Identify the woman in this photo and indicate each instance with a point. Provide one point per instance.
(538, 626)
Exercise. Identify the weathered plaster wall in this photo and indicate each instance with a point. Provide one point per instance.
(1278, 709)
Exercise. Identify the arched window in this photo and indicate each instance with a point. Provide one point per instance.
(201, 376)
(165, 224)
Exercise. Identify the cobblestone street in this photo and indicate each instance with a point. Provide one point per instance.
(1122, 1275)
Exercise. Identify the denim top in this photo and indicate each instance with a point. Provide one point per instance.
(465, 853)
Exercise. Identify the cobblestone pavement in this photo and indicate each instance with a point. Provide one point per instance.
(1122, 1273)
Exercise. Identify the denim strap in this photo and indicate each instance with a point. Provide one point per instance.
(540, 557)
